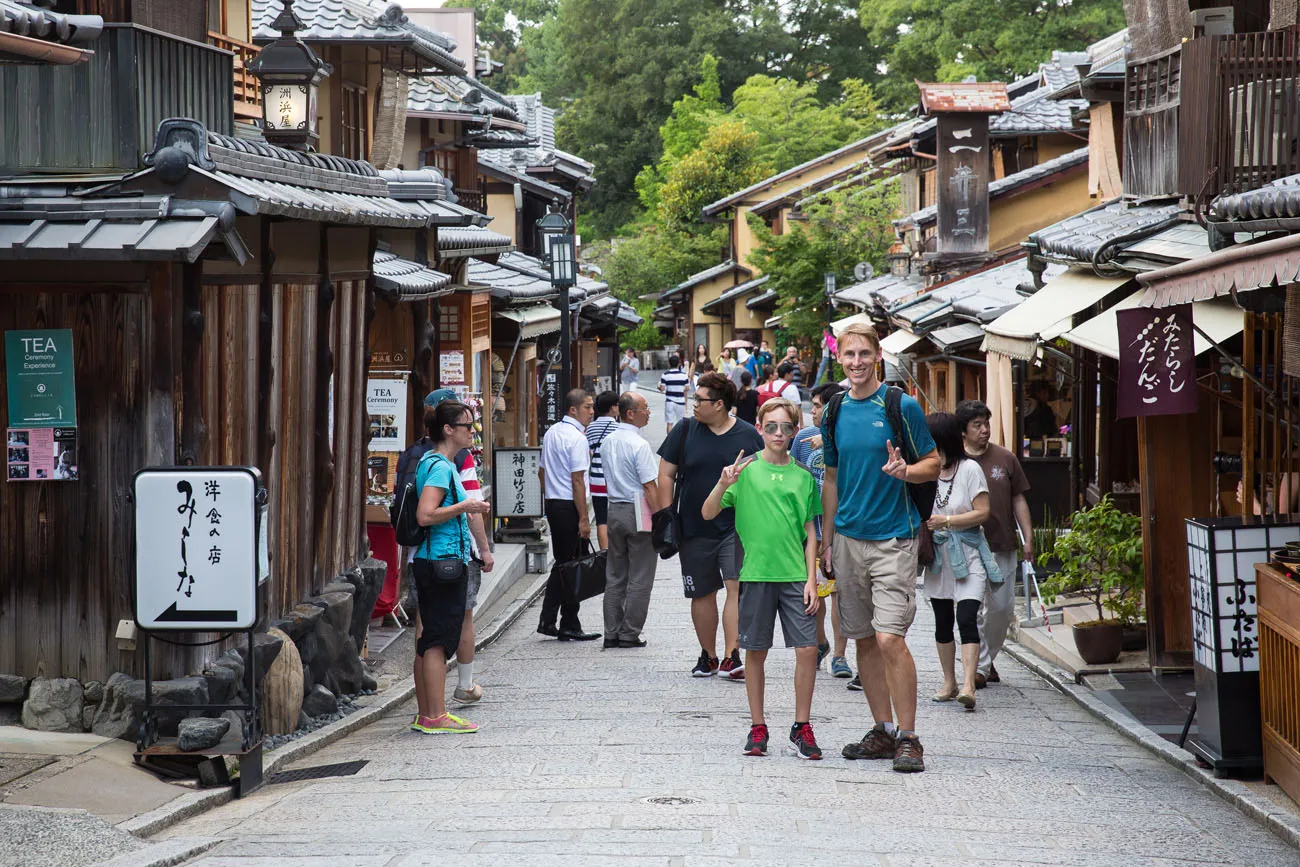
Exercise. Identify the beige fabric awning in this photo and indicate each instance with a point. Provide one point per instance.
(1219, 319)
(1242, 267)
(1048, 313)
(896, 343)
(533, 321)
(839, 324)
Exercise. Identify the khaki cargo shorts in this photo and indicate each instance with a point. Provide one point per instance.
(876, 581)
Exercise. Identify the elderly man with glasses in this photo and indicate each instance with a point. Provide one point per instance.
(691, 460)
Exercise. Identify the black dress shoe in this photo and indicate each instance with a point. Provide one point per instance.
(611, 642)
(993, 675)
(544, 629)
(635, 642)
(576, 635)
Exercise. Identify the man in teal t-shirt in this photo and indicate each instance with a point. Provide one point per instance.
(776, 502)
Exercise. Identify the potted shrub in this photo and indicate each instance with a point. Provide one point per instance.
(1100, 557)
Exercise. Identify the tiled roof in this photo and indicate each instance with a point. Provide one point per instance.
(539, 121)
(701, 276)
(521, 280)
(1009, 184)
(736, 292)
(885, 289)
(502, 165)
(1078, 239)
(24, 19)
(956, 336)
(457, 94)
(427, 190)
(620, 312)
(986, 97)
(864, 145)
(762, 299)
(1278, 200)
(1036, 113)
(134, 228)
(360, 22)
(979, 297)
(539, 118)
(471, 241)
(407, 280)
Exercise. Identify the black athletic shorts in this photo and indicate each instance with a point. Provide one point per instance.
(601, 506)
(442, 609)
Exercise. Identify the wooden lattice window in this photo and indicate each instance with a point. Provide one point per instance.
(354, 140)
(449, 323)
(480, 319)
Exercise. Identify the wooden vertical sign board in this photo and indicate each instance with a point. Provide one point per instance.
(963, 183)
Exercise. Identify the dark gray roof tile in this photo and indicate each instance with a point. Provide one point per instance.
(1079, 238)
(1278, 200)
(25, 19)
(407, 280)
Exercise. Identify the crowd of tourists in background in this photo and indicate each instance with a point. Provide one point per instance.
(771, 519)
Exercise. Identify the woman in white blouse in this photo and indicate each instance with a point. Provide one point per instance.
(955, 582)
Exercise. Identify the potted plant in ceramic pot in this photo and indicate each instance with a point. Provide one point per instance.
(1100, 557)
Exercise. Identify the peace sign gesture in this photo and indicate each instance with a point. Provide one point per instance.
(732, 473)
(895, 466)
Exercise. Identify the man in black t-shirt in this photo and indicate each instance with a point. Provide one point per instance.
(696, 450)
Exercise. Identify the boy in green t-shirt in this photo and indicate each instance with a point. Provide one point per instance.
(776, 500)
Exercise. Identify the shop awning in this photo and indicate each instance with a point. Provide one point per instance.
(1219, 319)
(839, 324)
(1047, 314)
(533, 321)
(1241, 268)
(896, 343)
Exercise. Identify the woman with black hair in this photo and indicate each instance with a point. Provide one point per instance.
(955, 582)
(747, 400)
(441, 565)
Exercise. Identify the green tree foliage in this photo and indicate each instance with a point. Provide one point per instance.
(511, 30)
(653, 258)
(686, 127)
(841, 229)
(793, 125)
(994, 40)
(727, 160)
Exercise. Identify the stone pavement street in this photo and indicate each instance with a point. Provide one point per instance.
(595, 757)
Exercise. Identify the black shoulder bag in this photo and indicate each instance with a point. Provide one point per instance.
(666, 524)
(445, 570)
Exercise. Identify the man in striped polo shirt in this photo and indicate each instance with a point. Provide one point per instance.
(673, 384)
(601, 426)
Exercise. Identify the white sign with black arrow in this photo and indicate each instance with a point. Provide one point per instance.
(196, 548)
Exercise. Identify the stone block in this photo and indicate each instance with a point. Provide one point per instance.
(54, 705)
(93, 691)
(339, 587)
(13, 689)
(119, 714)
(201, 734)
(368, 578)
(223, 683)
(299, 621)
(319, 702)
(337, 608)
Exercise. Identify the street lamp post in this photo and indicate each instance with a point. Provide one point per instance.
(290, 74)
(558, 245)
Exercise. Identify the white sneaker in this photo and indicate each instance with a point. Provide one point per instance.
(468, 696)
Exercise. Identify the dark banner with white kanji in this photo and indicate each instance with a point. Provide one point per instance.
(1157, 361)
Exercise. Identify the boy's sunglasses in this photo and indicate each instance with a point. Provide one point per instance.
(784, 427)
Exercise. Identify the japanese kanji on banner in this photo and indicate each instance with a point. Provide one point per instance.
(1157, 361)
(517, 483)
(197, 548)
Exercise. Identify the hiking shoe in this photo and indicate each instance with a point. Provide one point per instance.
(877, 744)
(803, 743)
(705, 666)
(909, 755)
(415, 723)
(447, 724)
(840, 667)
(823, 651)
(856, 684)
(468, 696)
(756, 743)
(732, 667)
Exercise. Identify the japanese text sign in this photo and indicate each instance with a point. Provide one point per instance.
(197, 548)
(386, 414)
(1157, 361)
(39, 378)
(517, 483)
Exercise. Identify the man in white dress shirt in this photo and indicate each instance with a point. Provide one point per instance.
(631, 473)
(565, 460)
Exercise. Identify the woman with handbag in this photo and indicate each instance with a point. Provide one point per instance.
(962, 561)
(441, 565)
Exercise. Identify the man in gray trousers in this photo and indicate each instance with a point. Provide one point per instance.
(631, 473)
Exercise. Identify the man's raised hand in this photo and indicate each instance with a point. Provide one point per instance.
(895, 466)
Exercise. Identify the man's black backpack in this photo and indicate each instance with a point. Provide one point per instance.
(406, 499)
(922, 494)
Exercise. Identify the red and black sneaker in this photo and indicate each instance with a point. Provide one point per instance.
(705, 666)
(803, 743)
(756, 744)
(732, 668)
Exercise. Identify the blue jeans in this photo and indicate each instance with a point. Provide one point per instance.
(822, 370)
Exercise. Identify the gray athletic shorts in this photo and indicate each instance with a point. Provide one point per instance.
(707, 562)
(471, 594)
(762, 601)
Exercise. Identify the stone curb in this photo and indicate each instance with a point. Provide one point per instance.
(166, 853)
(194, 803)
(1253, 805)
